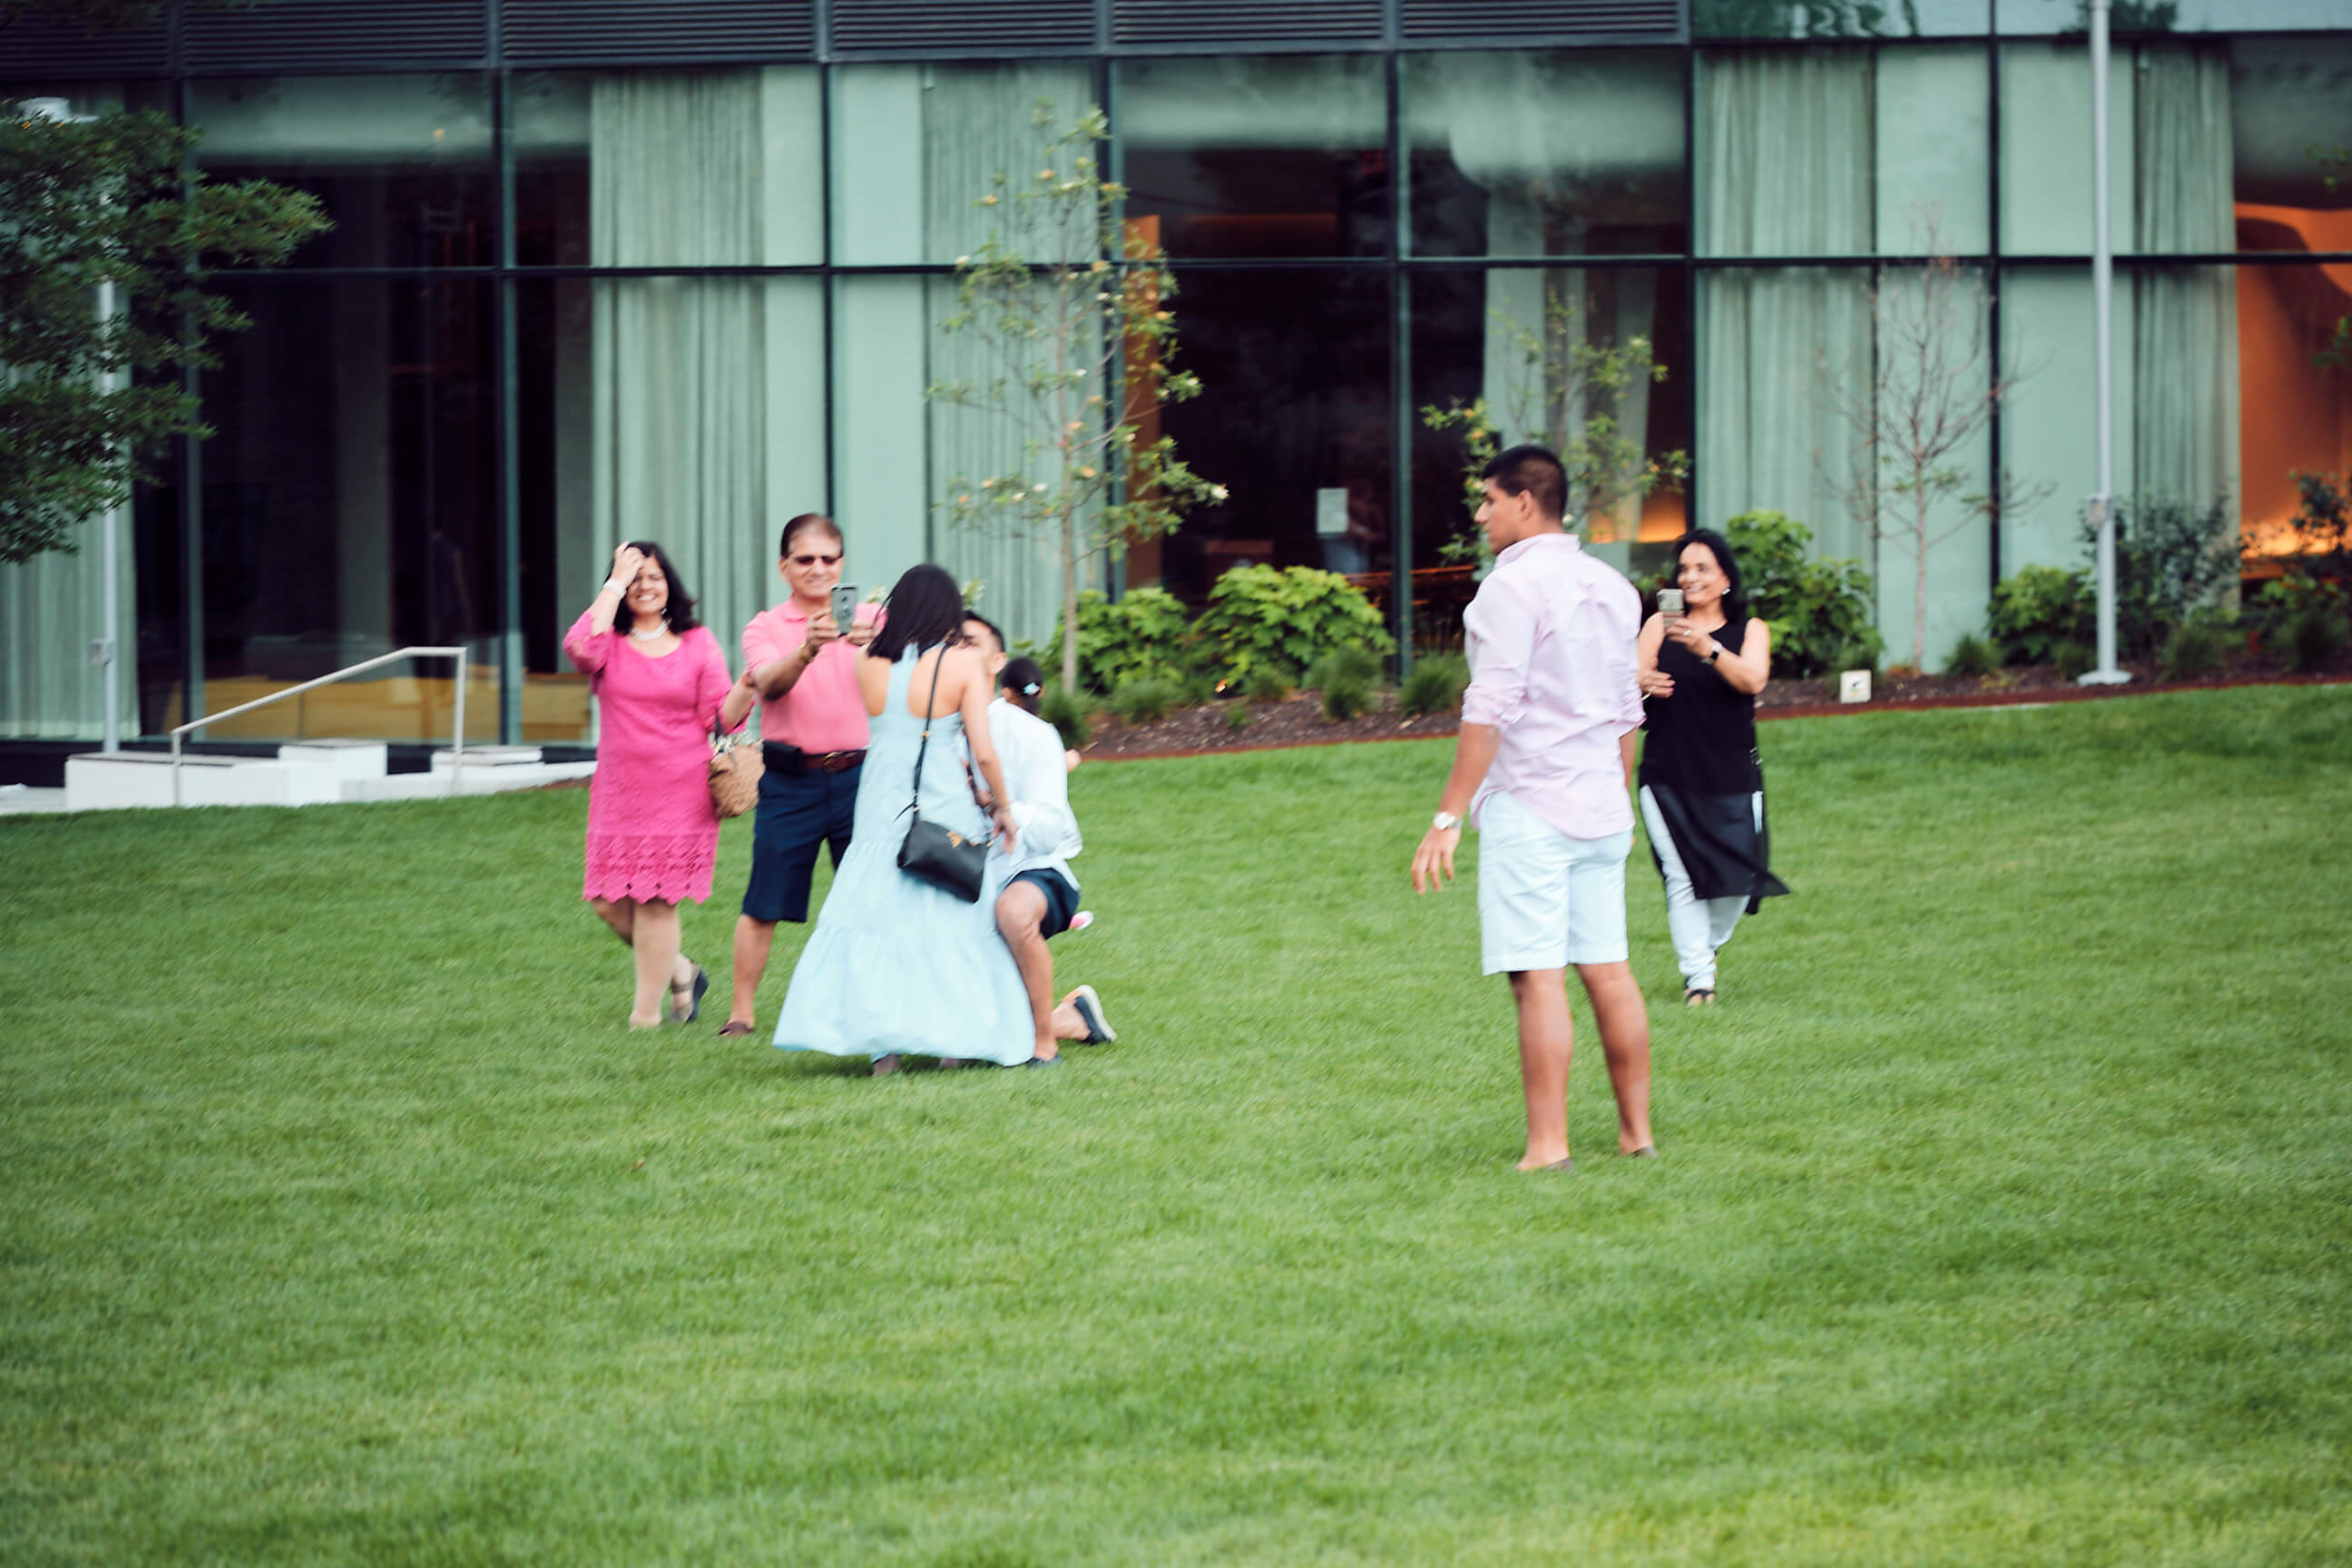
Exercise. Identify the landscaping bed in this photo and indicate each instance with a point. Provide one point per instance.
(1299, 721)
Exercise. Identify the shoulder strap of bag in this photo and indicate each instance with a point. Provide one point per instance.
(915, 804)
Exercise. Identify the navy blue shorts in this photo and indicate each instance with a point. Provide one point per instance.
(797, 812)
(1061, 899)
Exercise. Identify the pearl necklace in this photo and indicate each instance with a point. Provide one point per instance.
(654, 636)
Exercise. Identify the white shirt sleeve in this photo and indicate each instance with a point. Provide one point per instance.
(1038, 781)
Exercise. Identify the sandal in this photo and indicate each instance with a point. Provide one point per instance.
(735, 1028)
(693, 1003)
(1699, 998)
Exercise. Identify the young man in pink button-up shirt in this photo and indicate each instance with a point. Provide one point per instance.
(1545, 764)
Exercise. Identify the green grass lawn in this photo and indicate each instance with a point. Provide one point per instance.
(2002, 1216)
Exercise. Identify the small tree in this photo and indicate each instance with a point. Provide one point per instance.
(103, 201)
(1572, 392)
(1929, 394)
(1076, 317)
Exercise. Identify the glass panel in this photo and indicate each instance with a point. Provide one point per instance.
(2046, 149)
(1258, 157)
(1468, 345)
(663, 168)
(685, 410)
(1296, 424)
(2294, 332)
(1839, 18)
(87, 97)
(403, 163)
(1785, 153)
(1570, 153)
(881, 347)
(349, 505)
(916, 146)
(1930, 126)
(2291, 130)
(2049, 435)
(2176, 16)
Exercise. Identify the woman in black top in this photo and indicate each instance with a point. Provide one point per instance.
(1702, 784)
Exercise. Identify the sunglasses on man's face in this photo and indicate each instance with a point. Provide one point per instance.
(832, 560)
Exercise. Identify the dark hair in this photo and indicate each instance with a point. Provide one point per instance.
(994, 629)
(925, 607)
(1735, 593)
(1529, 469)
(807, 522)
(1020, 680)
(679, 611)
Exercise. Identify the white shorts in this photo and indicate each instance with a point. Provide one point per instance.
(1547, 901)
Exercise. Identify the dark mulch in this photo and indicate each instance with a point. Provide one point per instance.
(1300, 722)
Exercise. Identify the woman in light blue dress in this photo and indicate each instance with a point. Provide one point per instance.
(895, 966)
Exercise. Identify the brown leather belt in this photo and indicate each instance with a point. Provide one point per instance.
(793, 760)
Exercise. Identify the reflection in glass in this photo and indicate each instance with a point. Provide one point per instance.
(668, 168)
(1839, 18)
(403, 163)
(1296, 423)
(916, 146)
(349, 504)
(1258, 157)
(2295, 324)
(1470, 343)
(1575, 152)
(2145, 16)
(2291, 128)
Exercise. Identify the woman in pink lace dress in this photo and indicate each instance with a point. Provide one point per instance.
(661, 687)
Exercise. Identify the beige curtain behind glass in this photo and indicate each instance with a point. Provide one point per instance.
(1784, 169)
(976, 123)
(2184, 318)
(677, 166)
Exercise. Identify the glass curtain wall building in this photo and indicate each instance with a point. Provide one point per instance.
(676, 270)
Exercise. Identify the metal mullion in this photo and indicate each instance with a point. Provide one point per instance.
(191, 479)
(825, 271)
(1993, 244)
(1692, 515)
(508, 442)
(1399, 364)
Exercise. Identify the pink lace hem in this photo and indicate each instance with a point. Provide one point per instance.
(672, 867)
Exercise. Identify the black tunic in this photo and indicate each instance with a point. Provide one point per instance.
(1700, 766)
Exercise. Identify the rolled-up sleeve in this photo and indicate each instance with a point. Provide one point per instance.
(1501, 630)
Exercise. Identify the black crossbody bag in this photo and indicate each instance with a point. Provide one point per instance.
(932, 852)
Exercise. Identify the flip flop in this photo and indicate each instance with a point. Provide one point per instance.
(735, 1028)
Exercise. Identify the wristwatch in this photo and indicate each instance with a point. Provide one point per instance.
(1444, 822)
(1714, 653)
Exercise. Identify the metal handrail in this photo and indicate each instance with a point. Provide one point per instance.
(457, 720)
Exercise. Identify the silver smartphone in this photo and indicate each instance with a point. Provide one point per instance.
(1670, 602)
(845, 606)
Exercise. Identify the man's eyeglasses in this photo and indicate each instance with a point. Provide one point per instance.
(832, 560)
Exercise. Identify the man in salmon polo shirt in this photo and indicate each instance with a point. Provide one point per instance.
(813, 735)
(1544, 765)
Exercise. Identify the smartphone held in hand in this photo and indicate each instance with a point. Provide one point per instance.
(844, 605)
(1670, 602)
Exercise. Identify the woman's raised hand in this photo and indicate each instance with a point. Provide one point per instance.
(627, 561)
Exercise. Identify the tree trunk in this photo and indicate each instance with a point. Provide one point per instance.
(1919, 594)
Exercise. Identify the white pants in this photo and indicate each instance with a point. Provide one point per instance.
(1697, 925)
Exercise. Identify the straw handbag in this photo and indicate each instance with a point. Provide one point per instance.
(736, 766)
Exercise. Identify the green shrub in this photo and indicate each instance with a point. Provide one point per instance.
(1345, 679)
(1267, 683)
(1237, 716)
(2171, 559)
(2200, 645)
(2073, 659)
(1260, 617)
(1973, 655)
(2038, 609)
(2310, 640)
(1066, 713)
(1142, 634)
(1865, 655)
(1146, 699)
(1435, 685)
(1817, 609)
